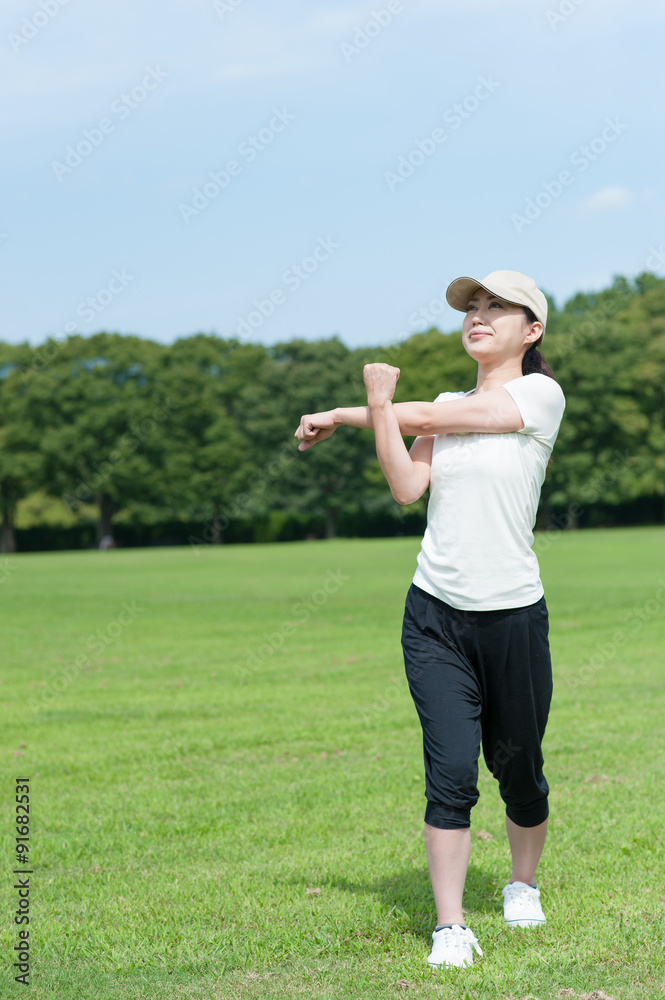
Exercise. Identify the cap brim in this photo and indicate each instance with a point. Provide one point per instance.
(460, 291)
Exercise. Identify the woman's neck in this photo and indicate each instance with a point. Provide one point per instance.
(493, 377)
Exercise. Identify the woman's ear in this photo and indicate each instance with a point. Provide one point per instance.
(535, 333)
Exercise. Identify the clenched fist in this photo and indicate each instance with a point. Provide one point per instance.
(315, 427)
(380, 381)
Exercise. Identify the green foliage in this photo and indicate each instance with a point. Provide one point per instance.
(21, 463)
(201, 432)
(608, 352)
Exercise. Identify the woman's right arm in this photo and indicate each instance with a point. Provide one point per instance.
(315, 427)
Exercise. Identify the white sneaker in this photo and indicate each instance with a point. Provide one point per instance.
(521, 905)
(452, 946)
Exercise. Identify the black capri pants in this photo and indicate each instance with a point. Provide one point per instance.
(479, 676)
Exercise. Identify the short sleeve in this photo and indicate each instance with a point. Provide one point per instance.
(443, 396)
(541, 403)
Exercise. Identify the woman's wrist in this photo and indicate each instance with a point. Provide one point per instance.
(351, 416)
(379, 405)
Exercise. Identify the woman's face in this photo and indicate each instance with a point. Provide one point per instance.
(496, 331)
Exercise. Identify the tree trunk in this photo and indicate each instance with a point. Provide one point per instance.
(331, 523)
(106, 511)
(7, 536)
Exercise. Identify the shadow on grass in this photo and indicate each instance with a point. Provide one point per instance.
(409, 895)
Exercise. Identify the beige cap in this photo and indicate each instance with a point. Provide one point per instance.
(509, 285)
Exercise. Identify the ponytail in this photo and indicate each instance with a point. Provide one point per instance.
(533, 360)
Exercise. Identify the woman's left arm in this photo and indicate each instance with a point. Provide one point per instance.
(491, 412)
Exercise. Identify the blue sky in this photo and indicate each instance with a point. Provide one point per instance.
(350, 160)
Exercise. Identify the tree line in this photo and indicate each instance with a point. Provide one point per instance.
(118, 439)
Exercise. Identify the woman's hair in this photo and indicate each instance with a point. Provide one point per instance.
(532, 360)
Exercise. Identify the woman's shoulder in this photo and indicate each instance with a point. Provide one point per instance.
(538, 384)
(541, 403)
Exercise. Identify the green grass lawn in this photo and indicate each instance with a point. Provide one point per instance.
(227, 784)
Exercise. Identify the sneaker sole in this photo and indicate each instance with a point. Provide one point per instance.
(525, 923)
(449, 965)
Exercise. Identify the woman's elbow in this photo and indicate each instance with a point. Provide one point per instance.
(425, 422)
(404, 496)
(417, 421)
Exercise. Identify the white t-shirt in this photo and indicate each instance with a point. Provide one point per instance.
(484, 490)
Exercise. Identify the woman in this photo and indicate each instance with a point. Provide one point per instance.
(475, 633)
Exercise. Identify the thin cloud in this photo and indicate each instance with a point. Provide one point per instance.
(607, 199)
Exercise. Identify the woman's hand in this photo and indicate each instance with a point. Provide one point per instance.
(380, 381)
(315, 427)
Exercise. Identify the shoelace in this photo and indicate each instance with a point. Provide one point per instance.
(458, 937)
(522, 895)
